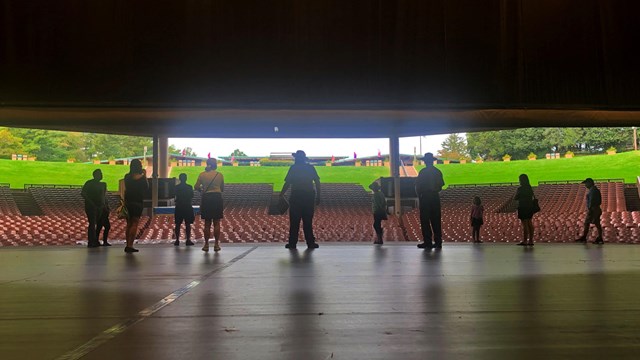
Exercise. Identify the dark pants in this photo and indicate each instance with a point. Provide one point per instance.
(377, 222)
(103, 222)
(431, 219)
(301, 207)
(92, 217)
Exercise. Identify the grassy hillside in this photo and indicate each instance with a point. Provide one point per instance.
(625, 166)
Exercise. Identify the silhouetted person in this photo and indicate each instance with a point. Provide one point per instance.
(477, 214)
(379, 208)
(524, 196)
(103, 221)
(136, 186)
(301, 179)
(183, 210)
(94, 194)
(211, 183)
(594, 200)
(428, 186)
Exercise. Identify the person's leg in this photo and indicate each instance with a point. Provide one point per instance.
(187, 227)
(132, 230)
(599, 228)
(92, 215)
(207, 234)
(478, 234)
(377, 226)
(176, 231)
(436, 222)
(295, 215)
(307, 222)
(107, 226)
(525, 232)
(585, 228)
(216, 234)
(530, 227)
(425, 226)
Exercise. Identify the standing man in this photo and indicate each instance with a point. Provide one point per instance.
(594, 200)
(428, 186)
(301, 179)
(94, 192)
(184, 209)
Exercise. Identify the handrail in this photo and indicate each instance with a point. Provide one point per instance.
(55, 186)
(5, 185)
(484, 184)
(551, 182)
(403, 168)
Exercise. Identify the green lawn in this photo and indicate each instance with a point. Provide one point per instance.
(619, 166)
(625, 166)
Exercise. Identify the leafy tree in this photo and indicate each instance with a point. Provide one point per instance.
(44, 144)
(187, 151)
(9, 144)
(237, 153)
(453, 147)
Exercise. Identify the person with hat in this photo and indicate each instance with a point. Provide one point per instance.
(594, 200)
(428, 186)
(301, 179)
(379, 208)
(211, 183)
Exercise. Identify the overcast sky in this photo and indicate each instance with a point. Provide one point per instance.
(313, 147)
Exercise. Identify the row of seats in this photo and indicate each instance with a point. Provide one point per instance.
(344, 215)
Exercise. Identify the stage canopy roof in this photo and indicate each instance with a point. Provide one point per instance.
(322, 68)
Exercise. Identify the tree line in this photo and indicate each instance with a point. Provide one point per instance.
(50, 145)
(519, 143)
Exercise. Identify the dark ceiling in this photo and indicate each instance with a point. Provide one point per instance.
(322, 68)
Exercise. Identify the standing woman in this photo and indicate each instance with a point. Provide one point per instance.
(524, 196)
(135, 187)
(211, 183)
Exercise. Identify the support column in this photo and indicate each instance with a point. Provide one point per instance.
(394, 157)
(164, 157)
(154, 179)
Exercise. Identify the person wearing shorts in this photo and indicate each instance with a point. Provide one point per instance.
(211, 183)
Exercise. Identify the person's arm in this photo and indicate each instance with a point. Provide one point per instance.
(287, 184)
(221, 183)
(198, 184)
(317, 182)
(285, 187)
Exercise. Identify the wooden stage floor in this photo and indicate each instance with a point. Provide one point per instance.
(342, 301)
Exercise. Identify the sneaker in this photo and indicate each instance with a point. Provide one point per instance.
(205, 248)
(190, 243)
(176, 243)
(424, 245)
(313, 246)
(130, 250)
(290, 247)
(599, 241)
(581, 239)
(106, 244)
(93, 245)
(216, 248)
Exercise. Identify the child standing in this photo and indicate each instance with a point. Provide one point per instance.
(379, 207)
(477, 212)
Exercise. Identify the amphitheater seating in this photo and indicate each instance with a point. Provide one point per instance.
(344, 215)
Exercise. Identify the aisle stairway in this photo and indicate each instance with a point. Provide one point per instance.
(26, 203)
